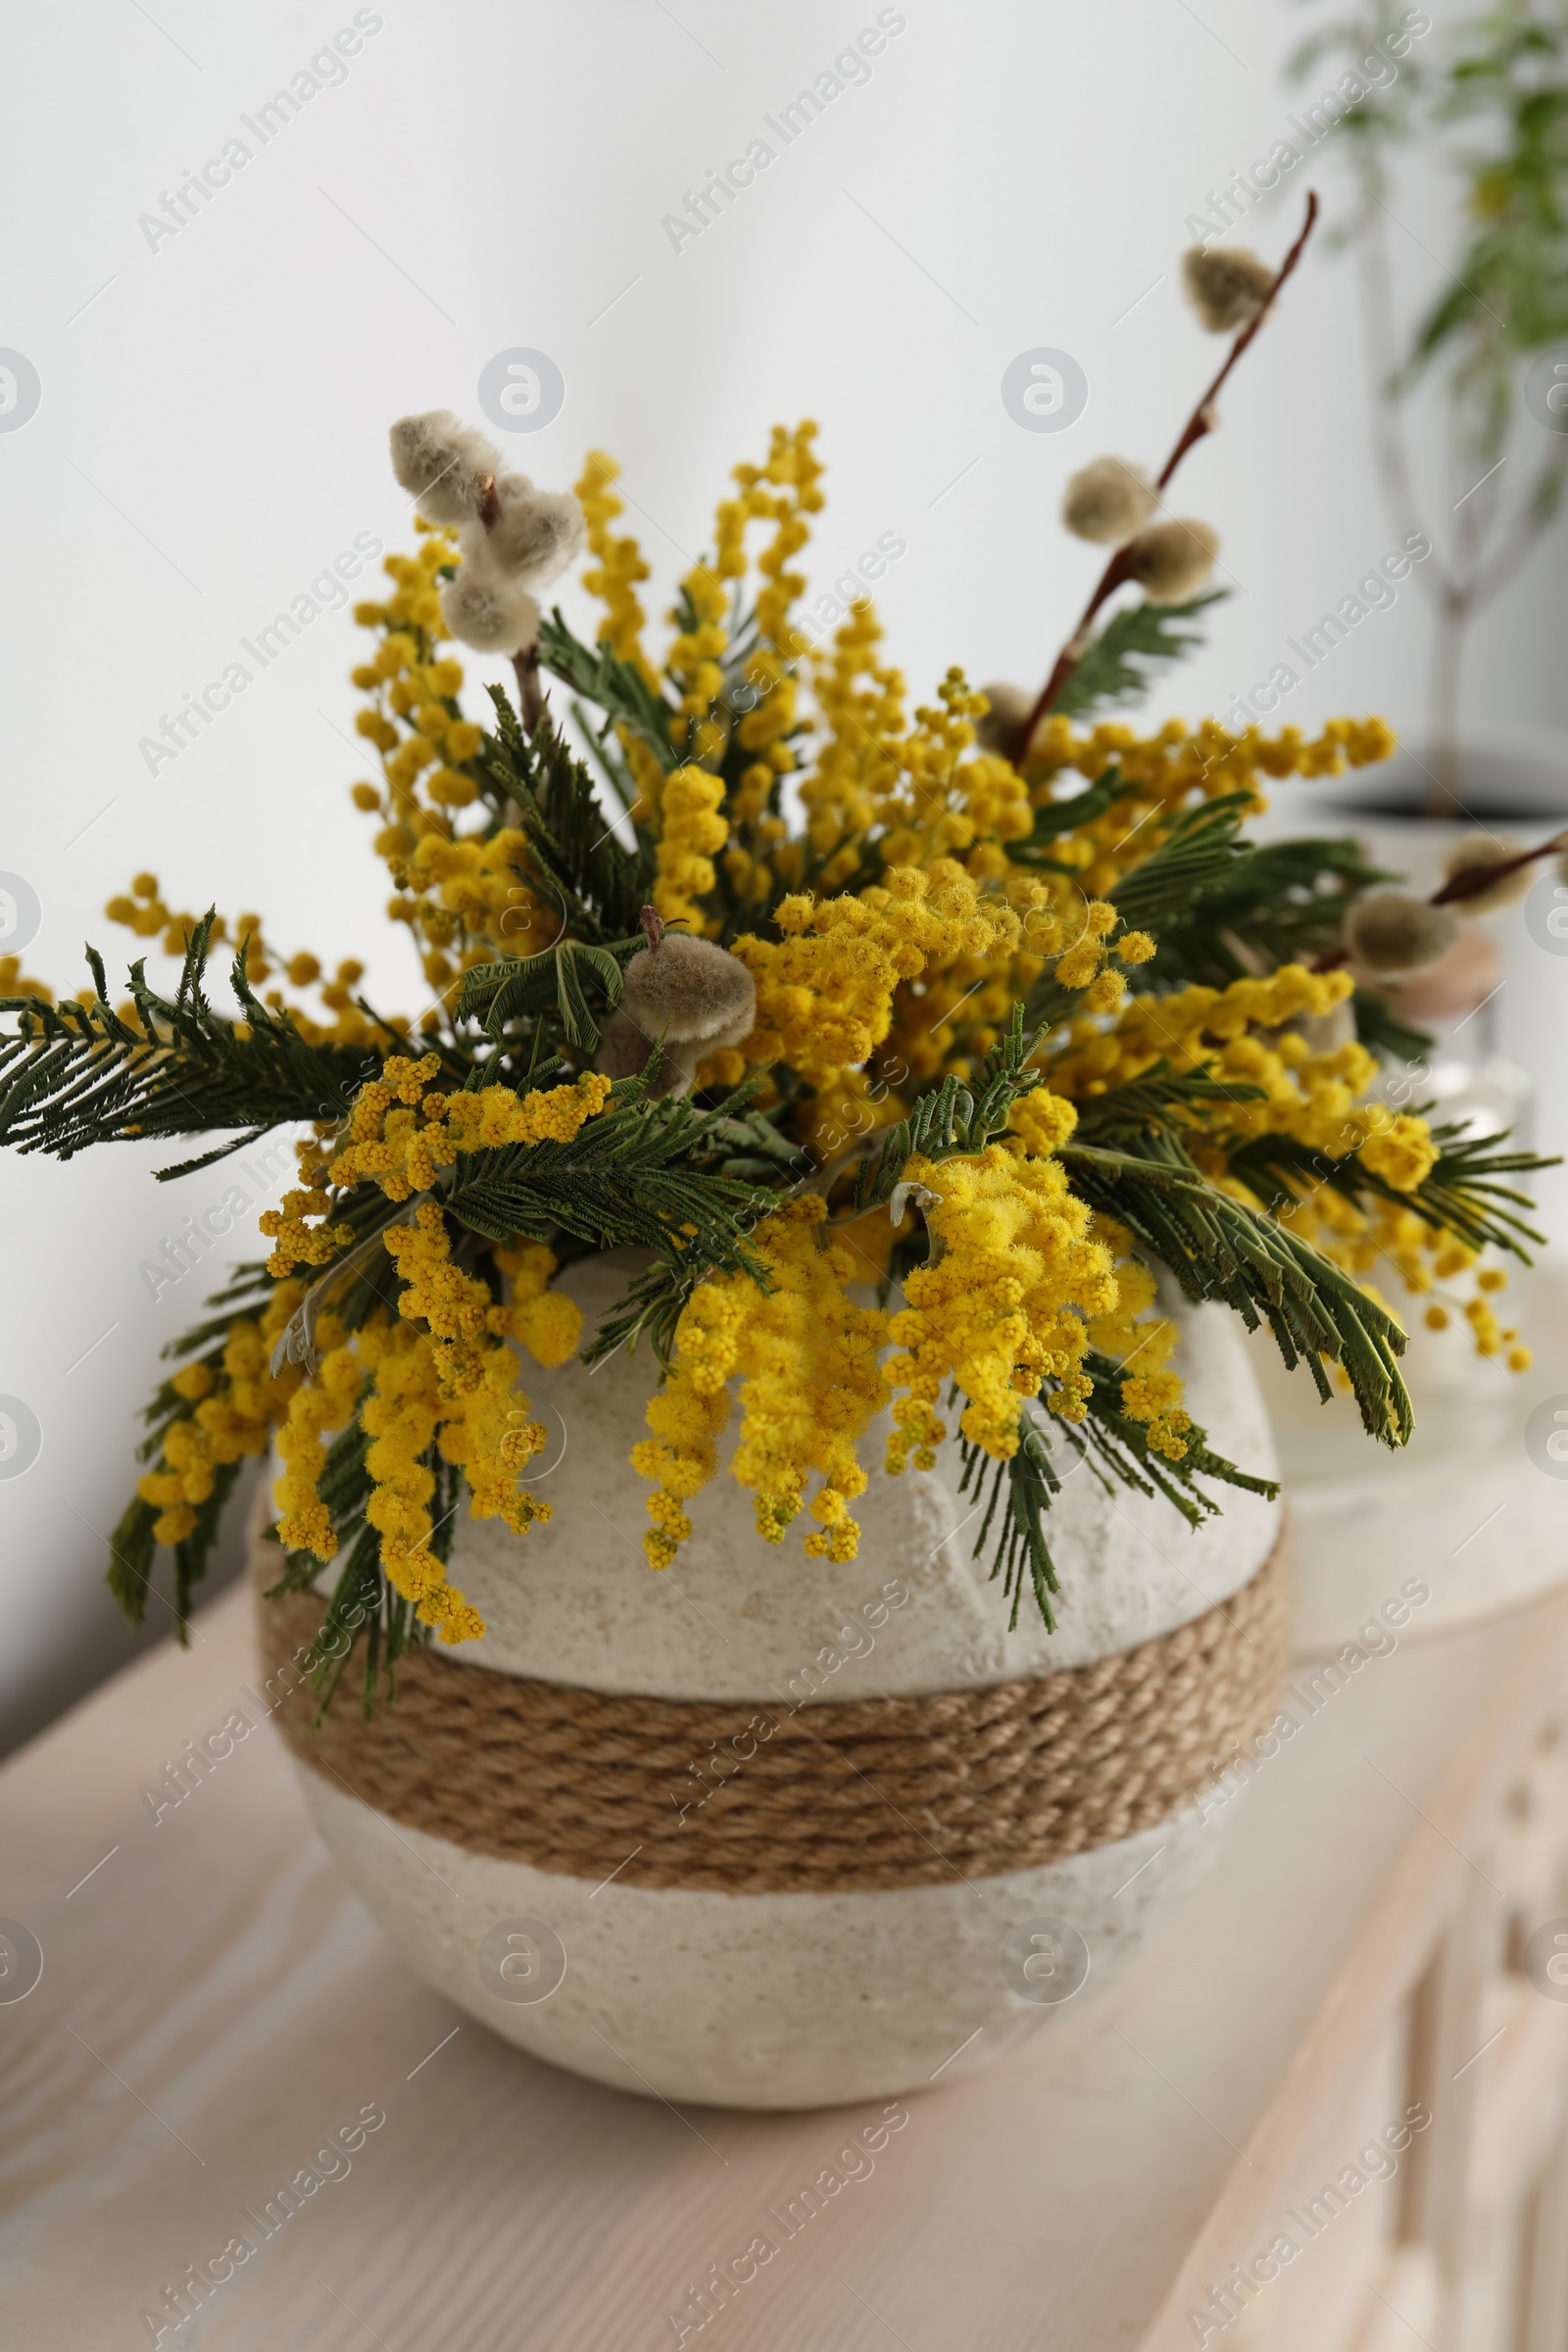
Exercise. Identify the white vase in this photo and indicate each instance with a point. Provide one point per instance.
(794, 1999)
(1464, 1509)
(1513, 784)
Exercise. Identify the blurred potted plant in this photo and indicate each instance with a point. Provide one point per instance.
(1489, 111)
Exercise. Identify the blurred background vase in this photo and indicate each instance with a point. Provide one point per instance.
(1465, 1500)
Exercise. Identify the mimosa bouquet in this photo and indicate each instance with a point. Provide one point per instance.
(921, 1057)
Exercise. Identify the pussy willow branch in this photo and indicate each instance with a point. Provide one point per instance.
(1468, 883)
(1471, 880)
(525, 661)
(530, 692)
(1119, 569)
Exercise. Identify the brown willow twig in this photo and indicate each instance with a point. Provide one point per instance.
(1119, 568)
(1468, 883)
(1471, 880)
(530, 692)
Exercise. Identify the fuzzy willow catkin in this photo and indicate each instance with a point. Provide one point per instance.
(1388, 933)
(486, 609)
(1109, 502)
(441, 463)
(534, 533)
(1227, 289)
(1172, 561)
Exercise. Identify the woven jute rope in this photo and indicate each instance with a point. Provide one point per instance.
(755, 1798)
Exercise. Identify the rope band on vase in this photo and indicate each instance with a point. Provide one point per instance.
(754, 1797)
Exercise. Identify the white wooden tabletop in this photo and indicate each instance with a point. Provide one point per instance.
(215, 2006)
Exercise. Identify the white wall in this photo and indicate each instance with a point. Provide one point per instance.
(212, 433)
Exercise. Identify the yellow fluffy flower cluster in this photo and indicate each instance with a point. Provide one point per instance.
(1164, 771)
(783, 490)
(548, 1323)
(929, 797)
(617, 563)
(858, 764)
(441, 1375)
(1153, 1394)
(825, 991)
(402, 1131)
(932, 883)
(916, 785)
(695, 656)
(432, 752)
(294, 1242)
(692, 833)
(807, 1360)
(1193, 1026)
(686, 811)
(1043, 1121)
(1003, 1305)
(143, 911)
(1490, 1336)
(15, 982)
(939, 807)
(316, 1408)
(1020, 1284)
(1239, 1035)
(1247, 1036)
(1398, 1148)
(402, 1418)
(468, 898)
(236, 1406)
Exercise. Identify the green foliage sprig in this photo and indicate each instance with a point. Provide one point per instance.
(1125, 657)
(76, 1074)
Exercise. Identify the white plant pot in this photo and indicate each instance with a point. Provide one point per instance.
(1466, 1510)
(794, 1999)
(1513, 782)
(1473, 1517)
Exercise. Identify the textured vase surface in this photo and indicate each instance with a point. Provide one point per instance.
(796, 2000)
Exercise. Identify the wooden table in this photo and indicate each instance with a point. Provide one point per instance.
(215, 2005)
